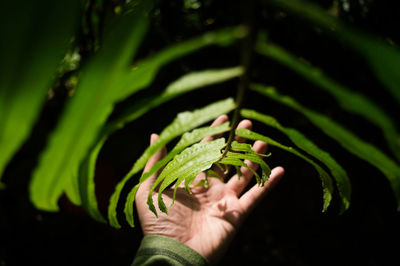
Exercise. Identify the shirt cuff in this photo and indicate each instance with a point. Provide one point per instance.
(172, 252)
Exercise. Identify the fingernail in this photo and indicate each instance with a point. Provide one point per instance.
(153, 138)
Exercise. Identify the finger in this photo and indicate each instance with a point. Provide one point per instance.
(251, 198)
(220, 120)
(238, 185)
(146, 185)
(243, 124)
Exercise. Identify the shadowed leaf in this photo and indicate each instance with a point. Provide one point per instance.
(344, 137)
(338, 173)
(351, 101)
(382, 58)
(326, 179)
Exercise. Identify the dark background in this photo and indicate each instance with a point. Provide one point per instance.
(288, 227)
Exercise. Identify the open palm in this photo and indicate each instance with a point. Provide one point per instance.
(207, 219)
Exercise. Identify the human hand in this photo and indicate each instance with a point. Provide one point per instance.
(207, 219)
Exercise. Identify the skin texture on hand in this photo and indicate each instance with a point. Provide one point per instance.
(208, 219)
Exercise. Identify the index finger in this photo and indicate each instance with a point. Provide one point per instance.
(220, 120)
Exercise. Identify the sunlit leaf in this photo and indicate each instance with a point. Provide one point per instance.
(338, 173)
(383, 59)
(237, 163)
(87, 110)
(212, 173)
(183, 122)
(186, 140)
(344, 137)
(351, 101)
(326, 179)
(186, 166)
(245, 147)
(253, 157)
(34, 39)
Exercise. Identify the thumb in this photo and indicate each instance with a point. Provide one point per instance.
(146, 185)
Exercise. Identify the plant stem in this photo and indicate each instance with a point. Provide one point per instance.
(246, 59)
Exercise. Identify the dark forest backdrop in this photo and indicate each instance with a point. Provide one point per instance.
(288, 228)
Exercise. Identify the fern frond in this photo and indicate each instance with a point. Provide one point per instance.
(183, 122)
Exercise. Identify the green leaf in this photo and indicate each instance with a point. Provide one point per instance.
(87, 110)
(144, 72)
(350, 101)
(383, 59)
(326, 179)
(186, 140)
(183, 122)
(203, 183)
(184, 84)
(236, 162)
(34, 39)
(212, 173)
(344, 137)
(186, 166)
(253, 157)
(338, 173)
(245, 147)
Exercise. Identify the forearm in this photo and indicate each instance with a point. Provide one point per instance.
(161, 250)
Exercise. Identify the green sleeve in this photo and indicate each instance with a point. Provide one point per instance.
(162, 250)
